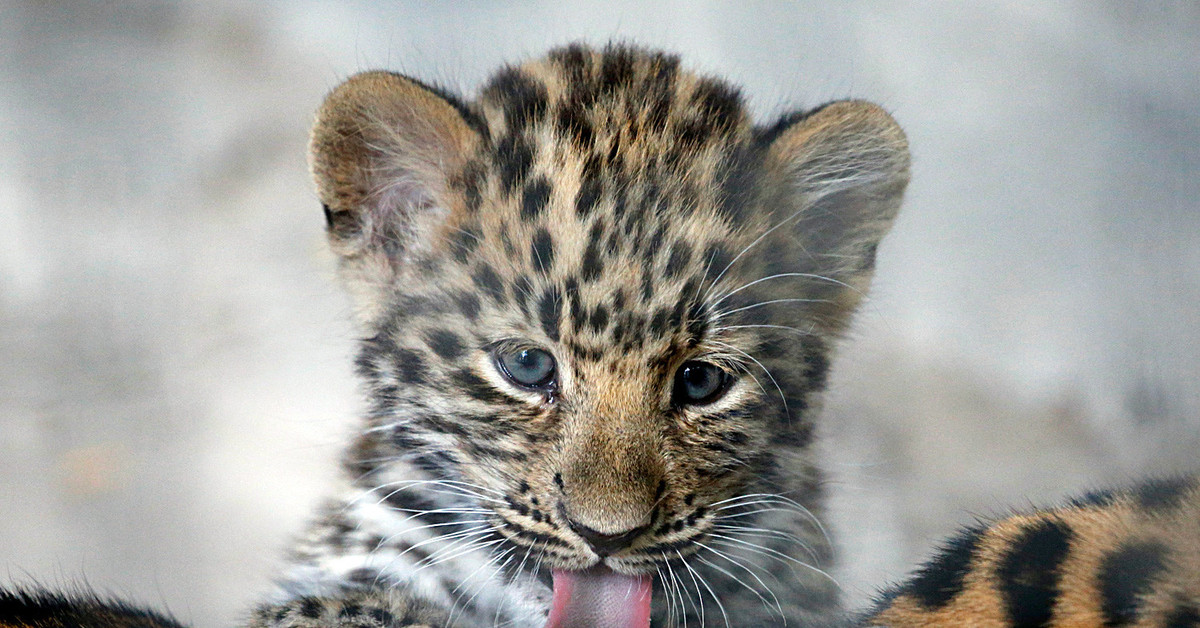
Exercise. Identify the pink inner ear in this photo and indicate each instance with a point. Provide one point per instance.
(383, 148)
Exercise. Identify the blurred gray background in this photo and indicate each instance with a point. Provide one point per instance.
(175, 356)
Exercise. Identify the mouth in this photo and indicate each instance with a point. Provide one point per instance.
(600, 598)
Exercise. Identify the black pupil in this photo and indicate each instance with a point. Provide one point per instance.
(529, 367)
(700, 381)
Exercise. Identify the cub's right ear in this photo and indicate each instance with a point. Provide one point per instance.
(382, 152)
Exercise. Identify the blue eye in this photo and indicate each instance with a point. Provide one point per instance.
(531, 368)
(699, 383)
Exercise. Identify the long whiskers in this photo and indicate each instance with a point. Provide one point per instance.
(843, 284)
(698, 576)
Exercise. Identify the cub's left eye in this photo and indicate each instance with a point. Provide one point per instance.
(698, 383)
(529, 368)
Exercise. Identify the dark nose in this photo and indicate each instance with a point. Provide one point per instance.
(603, 543)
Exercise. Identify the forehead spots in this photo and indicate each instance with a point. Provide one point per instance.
(589, 195)
(592, 263)
(542, 251)
(549, 313)
(537, 195)
(572, 122)
(445, 343)
(599, 319)
(514, 158)
(488, 282)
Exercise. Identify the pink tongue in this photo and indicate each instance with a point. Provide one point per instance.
(600, 598)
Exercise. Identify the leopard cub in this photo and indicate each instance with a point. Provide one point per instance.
(598, 305)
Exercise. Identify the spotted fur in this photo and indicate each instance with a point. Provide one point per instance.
(627, 216)
(1113, 558)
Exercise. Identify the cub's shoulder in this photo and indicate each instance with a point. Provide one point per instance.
(38, 608)
(1110, 558)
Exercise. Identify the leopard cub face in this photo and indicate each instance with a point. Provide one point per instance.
(599, 301)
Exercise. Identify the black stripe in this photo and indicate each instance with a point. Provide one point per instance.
(1125, 576)
(1029, 573)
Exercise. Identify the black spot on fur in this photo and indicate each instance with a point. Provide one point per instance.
(589, 195)
(816, 364)
(537, 195)
(549, 311)
(1125, 576)
(941, 579)
(573, 60)
(573, 123)
(489, 283)
(692, 133)
(1029, 573)
(680, 255)
(384, 617)
(618, 302)
(716, 260)
(468, 304)
(592, 265)
(447, 344)
(719, 102)
(697, 320)
(1098, 499)
(599, 319)
(577, 311)
(310, 607)
(522, 97)
(1186, 615)
(653, 245)
(523, 293)
(616, 68)
(541, 251)
(658, 323)
(1159, 495)
(514, 159)
(476, 387)
(410, 368)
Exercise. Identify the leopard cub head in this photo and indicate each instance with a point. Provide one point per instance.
(598, 300)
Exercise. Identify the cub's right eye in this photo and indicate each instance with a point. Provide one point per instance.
(527, 368)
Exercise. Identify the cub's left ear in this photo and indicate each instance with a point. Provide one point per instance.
(384, 149)
(841, 172)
